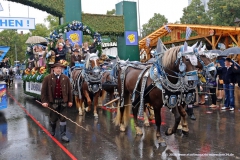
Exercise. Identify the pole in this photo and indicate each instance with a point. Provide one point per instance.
(28, 11)
(139, 24)
(16, 51)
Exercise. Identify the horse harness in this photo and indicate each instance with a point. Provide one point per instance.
(172, 94)
(92, 76)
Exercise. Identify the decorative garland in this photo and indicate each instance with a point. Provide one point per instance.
(76, 26)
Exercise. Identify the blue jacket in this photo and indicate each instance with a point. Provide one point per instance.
(227, 74)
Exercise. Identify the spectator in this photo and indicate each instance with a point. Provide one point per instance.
(229, 81)
(212, 84)
(60, 52)
(220, 80)
(68, 48)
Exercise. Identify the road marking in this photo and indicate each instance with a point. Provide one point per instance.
(44, 129)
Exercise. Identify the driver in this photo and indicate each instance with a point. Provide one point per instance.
(75, 57)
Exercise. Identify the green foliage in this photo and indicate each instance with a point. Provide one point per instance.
(224, 12)
(111, 12)
(54, 7)
(195, 14)
(153, 24)
(40, 30)
(10, 38)
(105, 24)
(53, 22)
(75, 25)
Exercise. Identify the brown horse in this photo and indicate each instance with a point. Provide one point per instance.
(154, 97)
(88, 84)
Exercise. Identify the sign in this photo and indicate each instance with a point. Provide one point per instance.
(3, 96)
(17, 23)
(75, 37)
(111, 44)
(34, 87)
(106, 39)
(131, 38)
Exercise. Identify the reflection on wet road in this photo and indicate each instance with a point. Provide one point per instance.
(212, 134)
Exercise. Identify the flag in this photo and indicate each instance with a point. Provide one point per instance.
(3, 51)
(148, 40)
(188, 33)
(167, 28)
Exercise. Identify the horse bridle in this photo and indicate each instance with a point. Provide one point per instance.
(206, 68)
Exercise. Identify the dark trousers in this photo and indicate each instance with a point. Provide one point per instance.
(60, 108)
(229, 95)
(213, 95)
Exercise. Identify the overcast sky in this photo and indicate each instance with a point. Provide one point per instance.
(172, 9)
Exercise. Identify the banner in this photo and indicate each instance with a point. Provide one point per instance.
(74, 37)
(3, 96)
(17, 23)
(131, 38)
(33, 87)
(3, 51)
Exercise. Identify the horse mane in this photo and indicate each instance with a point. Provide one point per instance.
(170, 56)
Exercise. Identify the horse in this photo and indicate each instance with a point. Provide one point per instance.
(181, 75)
(87, 84)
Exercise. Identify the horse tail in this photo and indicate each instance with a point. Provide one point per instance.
(123, 113)
(104, 94)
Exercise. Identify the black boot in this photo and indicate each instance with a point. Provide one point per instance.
(191, 114)
(63, 133)
(53, 125)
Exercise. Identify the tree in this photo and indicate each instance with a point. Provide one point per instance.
(53, 22)
(11, 38)
(195, 14)
(153, 24)
(224, 12)
(111, 12)
(40, 30)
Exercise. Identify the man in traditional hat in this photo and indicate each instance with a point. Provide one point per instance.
(75, 57)
(56, 93)
(229, 84)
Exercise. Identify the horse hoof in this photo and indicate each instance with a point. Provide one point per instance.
(162, 142)
(87, 109)
(179, 132)
(122, 128)
(139, 131)
(168, 132)
(80, 112)
(147, 124)
(95, 115)
(151, 117)
(186, 133)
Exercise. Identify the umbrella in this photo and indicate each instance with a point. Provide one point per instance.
(233, 50)
(36, 40)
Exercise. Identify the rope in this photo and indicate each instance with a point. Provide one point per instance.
(64, 116)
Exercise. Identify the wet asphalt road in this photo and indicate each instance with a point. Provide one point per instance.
(22, 139)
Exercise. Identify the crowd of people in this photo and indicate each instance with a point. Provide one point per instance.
(63, 50)
(222, 85)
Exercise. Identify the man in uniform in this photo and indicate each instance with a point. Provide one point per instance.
(56, 93)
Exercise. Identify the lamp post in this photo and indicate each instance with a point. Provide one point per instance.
(139, 24)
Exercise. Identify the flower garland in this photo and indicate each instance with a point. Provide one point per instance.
(76, 26)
